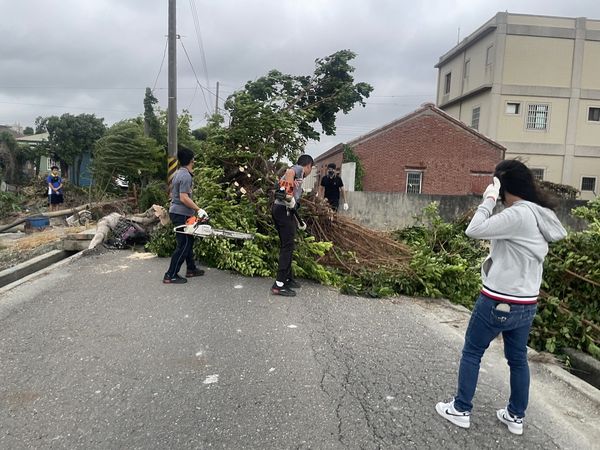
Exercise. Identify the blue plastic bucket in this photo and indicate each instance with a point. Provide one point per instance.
(37, 222)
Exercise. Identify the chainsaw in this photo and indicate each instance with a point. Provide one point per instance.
(194, 227)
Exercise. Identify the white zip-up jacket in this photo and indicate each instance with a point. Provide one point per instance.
(519, 236)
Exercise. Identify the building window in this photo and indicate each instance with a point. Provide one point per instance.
(537, 117)
(467, 68)
(538, 174)
(594, 114)
(489, 56)
(475, 118)
(513, 108)
(50, 163)
(413, 182)
(588, 184)
(447, 81)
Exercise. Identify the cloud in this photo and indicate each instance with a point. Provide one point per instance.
(99, 56)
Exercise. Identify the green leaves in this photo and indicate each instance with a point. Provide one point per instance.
(275, 114)
(571, 309)
(70, 136)
(127, 152)
(350, 156)
(9, 203)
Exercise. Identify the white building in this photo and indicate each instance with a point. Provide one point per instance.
(532, 83)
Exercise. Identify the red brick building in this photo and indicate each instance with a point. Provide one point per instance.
(426, 151)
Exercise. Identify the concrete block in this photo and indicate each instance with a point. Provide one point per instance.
(79, 241)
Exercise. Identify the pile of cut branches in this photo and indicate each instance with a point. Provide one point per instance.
(355, 247)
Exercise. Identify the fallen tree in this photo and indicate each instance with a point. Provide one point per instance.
(271, 120)
(144, 222)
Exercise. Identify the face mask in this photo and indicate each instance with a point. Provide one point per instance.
(330, 173)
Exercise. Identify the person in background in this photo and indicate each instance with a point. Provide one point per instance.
(331, 187)
(511, 276)
(284, 212)
(55, 189)
(182, 208)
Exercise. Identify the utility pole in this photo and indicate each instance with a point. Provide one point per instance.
(217, 100)
(172, 93)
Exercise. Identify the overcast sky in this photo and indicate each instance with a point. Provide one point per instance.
(98, 56)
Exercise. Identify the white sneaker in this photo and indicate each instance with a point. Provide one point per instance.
(514, 424)
(447, 411)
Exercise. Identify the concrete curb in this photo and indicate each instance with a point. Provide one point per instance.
(63, 262)
(585, 389)
(31, 266)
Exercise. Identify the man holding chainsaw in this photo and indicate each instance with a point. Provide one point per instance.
(285, 216)
(182, 208)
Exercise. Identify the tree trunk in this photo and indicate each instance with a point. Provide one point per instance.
(104, 226)
(64, 170)
(62, 212)
(149, 218)
(77, 169)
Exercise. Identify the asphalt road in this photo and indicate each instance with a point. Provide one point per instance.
(101, 354)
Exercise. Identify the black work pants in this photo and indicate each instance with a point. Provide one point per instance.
(184, 250)
(334, 203)
(285, 223)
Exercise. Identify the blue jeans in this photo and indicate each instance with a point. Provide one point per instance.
(485, 324)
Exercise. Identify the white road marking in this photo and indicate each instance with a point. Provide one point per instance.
(211, 379)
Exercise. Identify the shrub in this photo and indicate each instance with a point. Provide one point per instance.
(9, 204)
(155, 193)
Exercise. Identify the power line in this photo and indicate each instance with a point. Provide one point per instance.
(68, 106)
(82, 88)
(199, 38)
(402, 95)
(161, 64)
(189, 87)
(193, 97)
(196, 76)
(95, 88)
(389, 104)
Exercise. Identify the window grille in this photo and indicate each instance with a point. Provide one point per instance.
(588, 184)
(413, 182)
(475, 118)
(49, 163)
(537, 117)
(538, 174)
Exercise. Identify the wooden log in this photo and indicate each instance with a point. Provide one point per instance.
(62, 212)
